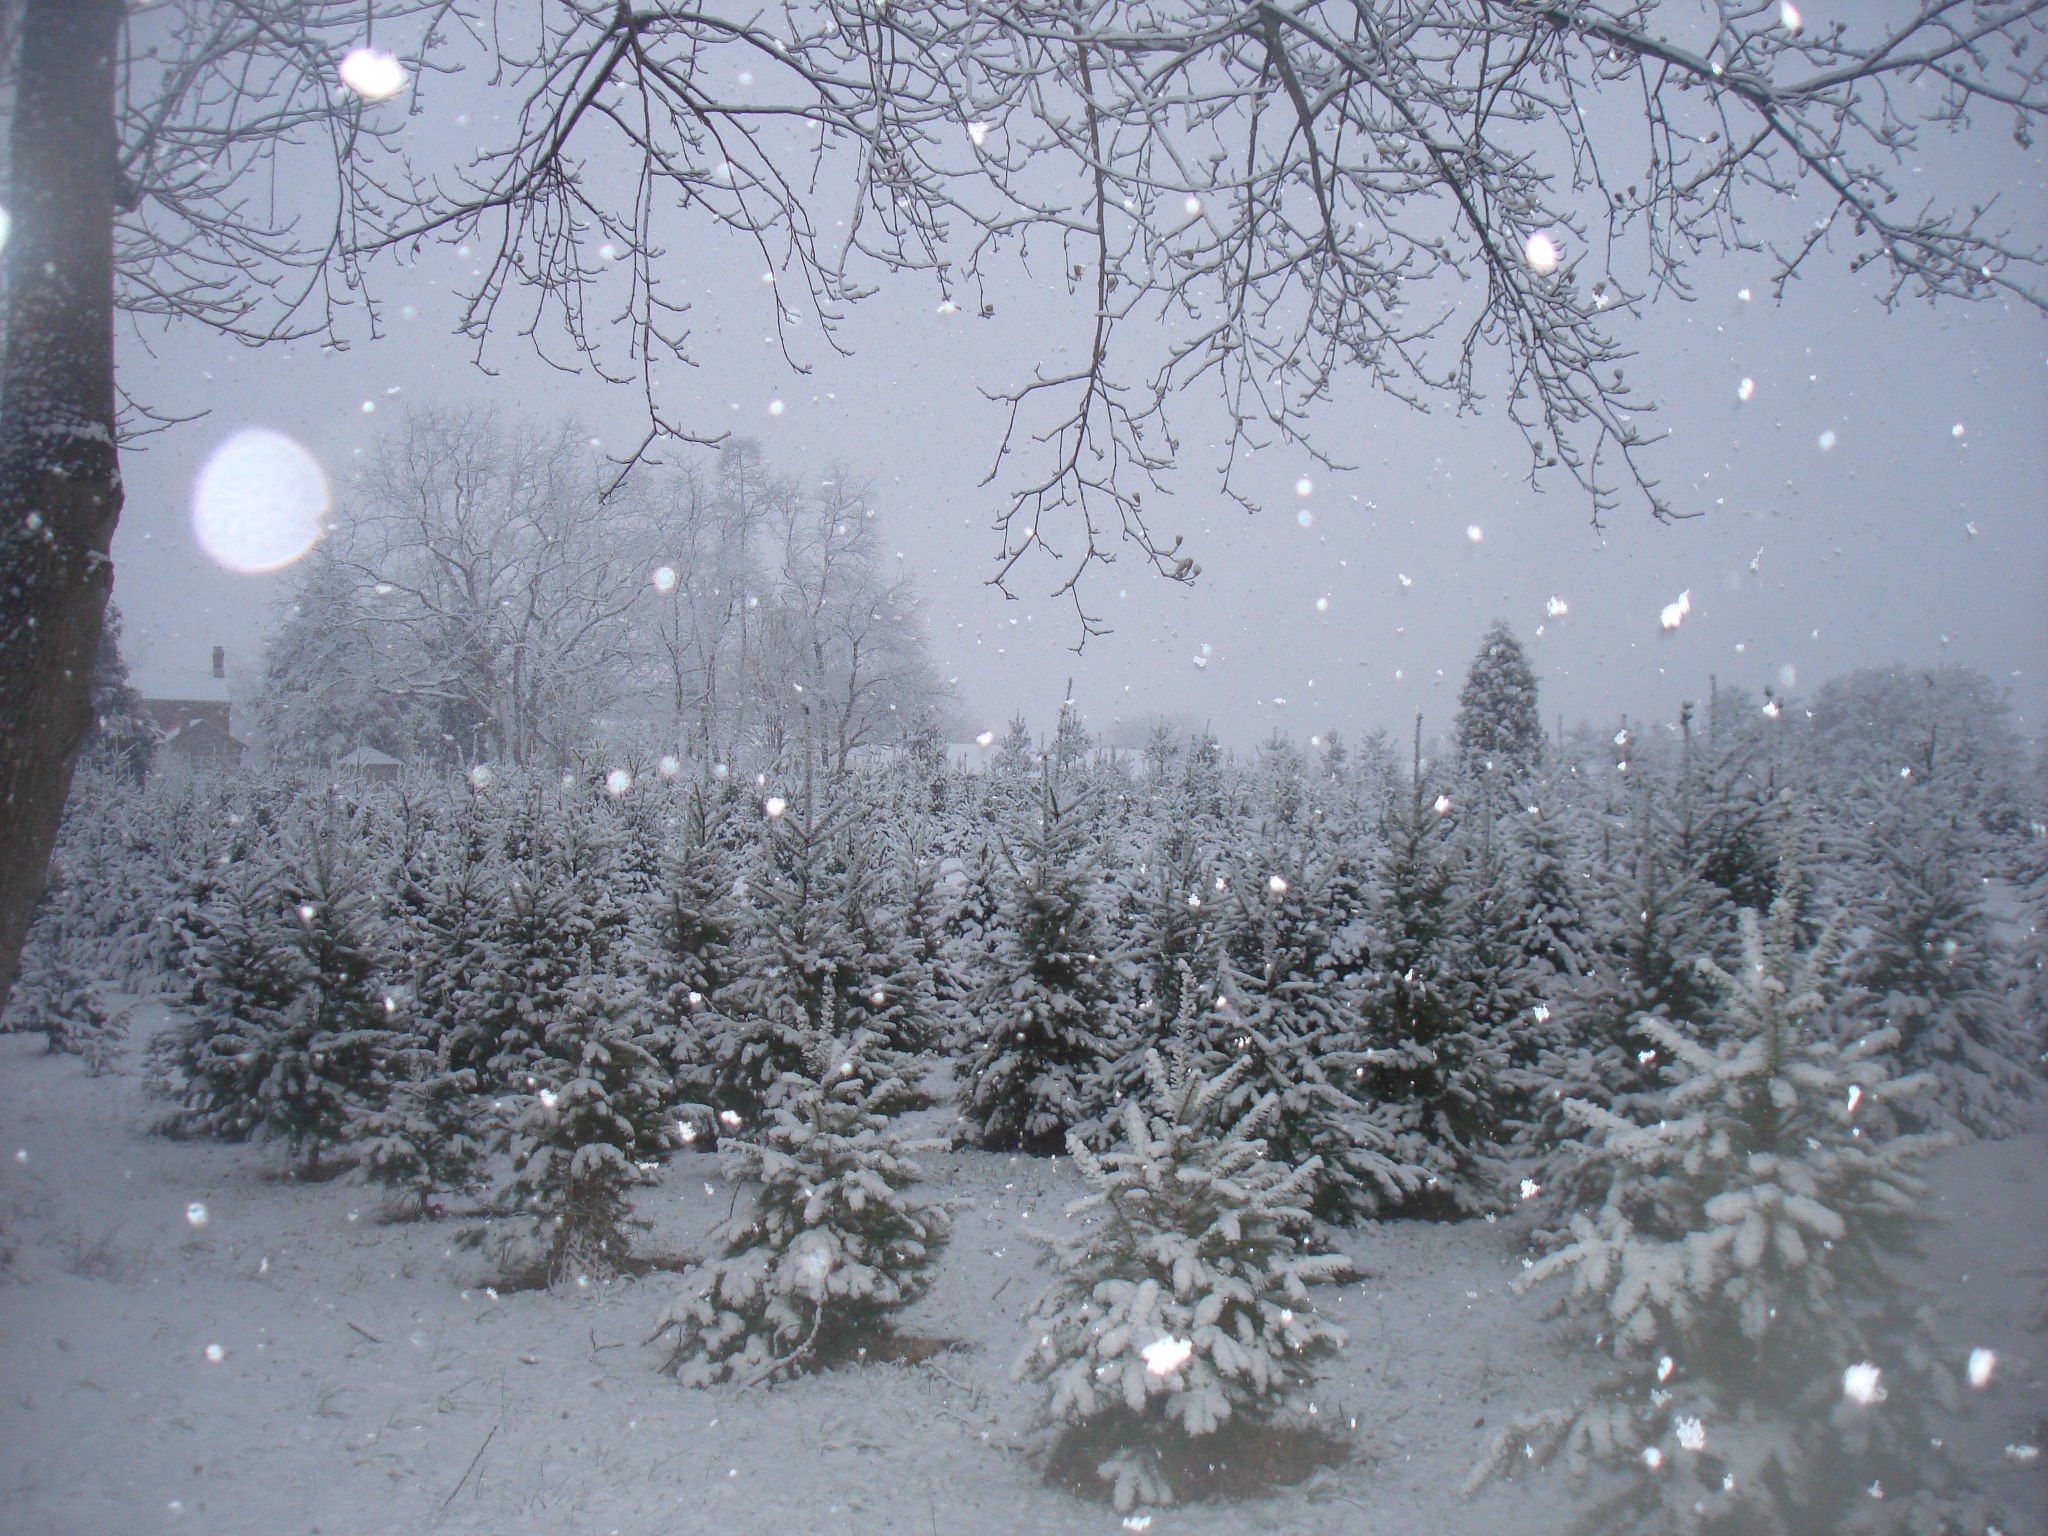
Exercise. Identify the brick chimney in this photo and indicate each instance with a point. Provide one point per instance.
(220, 661)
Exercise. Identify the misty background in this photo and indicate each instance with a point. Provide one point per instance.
(1916, 536)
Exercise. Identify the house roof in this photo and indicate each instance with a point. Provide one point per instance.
(203, 731)
(180, 684)
(367, 756)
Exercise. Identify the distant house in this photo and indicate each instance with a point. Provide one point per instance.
(192, 712)
(369, 763)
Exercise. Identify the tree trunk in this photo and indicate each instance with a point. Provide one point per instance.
(60, 481)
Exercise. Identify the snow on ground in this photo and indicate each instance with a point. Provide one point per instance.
(367, 1381)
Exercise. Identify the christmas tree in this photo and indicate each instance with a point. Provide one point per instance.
(834, 1244)
(218, 1057)
(1180, 1317)
(1500, 728)
(600, 1105)
(1049, 1008)
(326, 1069)
(1739, 1270)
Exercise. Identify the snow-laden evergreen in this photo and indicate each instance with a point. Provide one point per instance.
(835, 1242)
(1180, 1313)
(327, 1069)
(1740, 1273)
(1279, 1016)
(598, 1106)
(216, 1059)
(1499, 730)
(1048, 1015)
(1437, 1066)
(1925, 966)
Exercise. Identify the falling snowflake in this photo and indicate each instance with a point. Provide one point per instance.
(1165, 1356)
(1541, 253)
(1863, 1383)
(197, 1214)
(372, 75)
(1674, 613)
(1557, 608)
(774, 805)
(1982, 1363)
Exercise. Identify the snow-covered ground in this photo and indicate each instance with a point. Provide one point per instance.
(194, 1344)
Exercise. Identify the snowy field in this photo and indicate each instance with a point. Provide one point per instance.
(195, 1344)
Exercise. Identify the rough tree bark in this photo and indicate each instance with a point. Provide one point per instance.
(60, 481)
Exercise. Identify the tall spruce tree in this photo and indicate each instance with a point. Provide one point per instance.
(1500, 726)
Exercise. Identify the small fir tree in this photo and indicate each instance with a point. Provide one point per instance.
(1436, 1069)
(217, 1058)
(1049, 1010)
(692, 958)
(1740, 1271)
(834, 1245)
(1927, 966)
(600, 1106)
(1279, 1017)
(1180, 1317)
(791, 956)
(327, 1068)
(425, 1140)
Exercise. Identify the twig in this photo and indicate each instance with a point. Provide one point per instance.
(359, 1328)
(597, 1348)
(479, 1456)
(773, 1366)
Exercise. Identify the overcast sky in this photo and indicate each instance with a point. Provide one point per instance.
(1920, 536)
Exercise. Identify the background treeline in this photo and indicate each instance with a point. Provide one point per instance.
(1421, 954)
